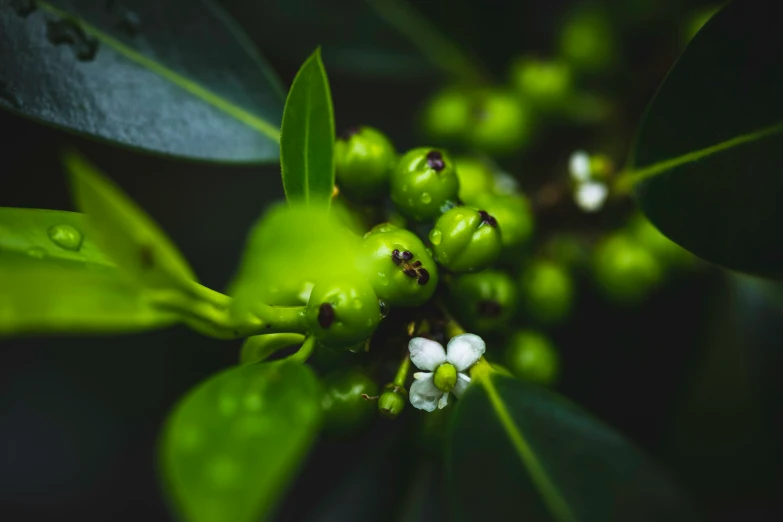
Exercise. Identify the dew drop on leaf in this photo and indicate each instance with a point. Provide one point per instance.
(66, 236)
(425, 197)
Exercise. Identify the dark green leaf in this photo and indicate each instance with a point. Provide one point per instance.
(233, 443)
(520, 452)
(123, 230)
(58, 295)
(707, 159)
(176, 77)
(307, 136)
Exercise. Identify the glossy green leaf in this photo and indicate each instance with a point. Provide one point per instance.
(290, 249)
(232, 444)
(307, 136)
(177, 77)
(42, 294)
(519, 452)
(707, 161)
(123, 230)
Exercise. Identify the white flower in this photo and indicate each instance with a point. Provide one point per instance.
(591, 195)
(579, 166)
(444, 369)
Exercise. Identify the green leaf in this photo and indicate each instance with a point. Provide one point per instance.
(60, 295)
(307, 136)
(707, 160)
(233, 443)
(176, 78)
(123, 231)
(519, 452)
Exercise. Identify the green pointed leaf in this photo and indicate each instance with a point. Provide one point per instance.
(707, 161)
(124, 231)
(176, 78)
(307, 136)
(519, 452)
(233, 443)
(60, 295)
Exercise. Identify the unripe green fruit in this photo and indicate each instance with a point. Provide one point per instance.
(447, 115)
(466, 240)
(531, 356)
(625, 270)
(392, 401)
(544, 82)
(546, 291)
(342, 313)
(398, 266)
(363, 160)
(514, 217)
(587, 39)
(486, 300)
(343, 405)
(501, 122)
(423, 183)
(475, 178)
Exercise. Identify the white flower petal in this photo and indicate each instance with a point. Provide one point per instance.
(464, 350)
(422, 375)
(426, 354)
(443, 401)
(579, 166)
(590, 196)
(461, 385)
(424, 395)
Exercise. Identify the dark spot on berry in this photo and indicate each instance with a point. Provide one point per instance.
(146, 257)
(424, 276)
(350, 131)
(410, 272)
(406, 256)
(488, 308)
(435, 160)
(416, 264)
(325, 315)
(396, 257)
(487, 219)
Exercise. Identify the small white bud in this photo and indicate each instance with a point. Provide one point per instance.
(591, 195)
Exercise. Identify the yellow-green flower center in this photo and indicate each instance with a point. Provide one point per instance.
(445, 377)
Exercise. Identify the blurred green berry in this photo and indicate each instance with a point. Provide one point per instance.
(664, 249)
(447, 115)
(547, 291)
(513, 215)
(546, 83)
(466, 240)
(486, 301)
(501, 122)
(475, 177)
(398, 266)
(342, 313)
(343, 405)
(423, 183)
(363, 160)
(531, 356)
(587, 39)
(624, 269)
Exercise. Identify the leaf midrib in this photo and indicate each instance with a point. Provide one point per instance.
(251, 120)
(552, 496)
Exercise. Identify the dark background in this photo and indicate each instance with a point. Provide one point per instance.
(690, 376)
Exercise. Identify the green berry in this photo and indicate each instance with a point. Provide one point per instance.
(447, 115)
(392, 401)
(424, 183)
(531, 356)
(398, 266)
(487, 300)
(342, 313)
(546, 291)
(501, 122)
(625, 270)
(546, 83)
(587, 39)
(514, 217)
(363, 160)
(466, 240)
(476, 178)
(343, 405)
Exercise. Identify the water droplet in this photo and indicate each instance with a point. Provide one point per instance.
(24, 8)
(384, 307)
(66, 236)
(37, 252)
(68, 32)
(425, 197)
(10, 95)
(435, 236)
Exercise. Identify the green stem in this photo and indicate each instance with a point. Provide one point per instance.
(402, 372)
(304, 352)
(432, 43)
